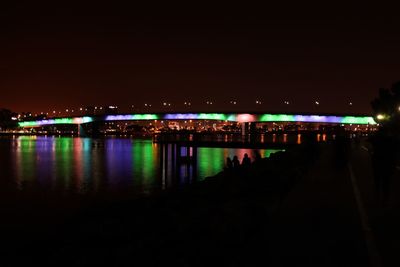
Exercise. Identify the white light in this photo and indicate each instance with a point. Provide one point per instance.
(316, 102)
(380, 117)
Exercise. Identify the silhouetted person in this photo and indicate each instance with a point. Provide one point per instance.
(383, 163)
(246, 161)
(236, 162)
(257, 156)
(229, 164)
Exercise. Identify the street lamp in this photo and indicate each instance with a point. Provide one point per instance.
(380, 117)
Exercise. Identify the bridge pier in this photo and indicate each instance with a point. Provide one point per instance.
(174, 157)
(249, 130)
(95, 129)
(81, 131)
(245, 128)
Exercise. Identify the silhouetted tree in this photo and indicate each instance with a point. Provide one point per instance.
(6, 121)
(386, 107)
(385, 143)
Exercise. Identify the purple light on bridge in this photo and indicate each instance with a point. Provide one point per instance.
(316, 118)
(180, 116)
(118, 117)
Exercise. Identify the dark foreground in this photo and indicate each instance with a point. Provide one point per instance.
(296, 208)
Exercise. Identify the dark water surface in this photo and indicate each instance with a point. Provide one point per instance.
(97, 166)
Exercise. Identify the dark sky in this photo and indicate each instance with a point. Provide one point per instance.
(61, 54)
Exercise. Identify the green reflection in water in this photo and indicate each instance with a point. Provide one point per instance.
(25, 160)
(144, 162)
(64, 158)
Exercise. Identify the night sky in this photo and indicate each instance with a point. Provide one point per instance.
(61, 55)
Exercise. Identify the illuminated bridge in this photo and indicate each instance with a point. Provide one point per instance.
(230, 117)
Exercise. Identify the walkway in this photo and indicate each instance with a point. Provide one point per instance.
(384, 219)
(319, 223)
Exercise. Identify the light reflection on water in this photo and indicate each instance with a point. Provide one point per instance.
(85, 165)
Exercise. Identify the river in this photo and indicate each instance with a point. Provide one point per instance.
(97, 166)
